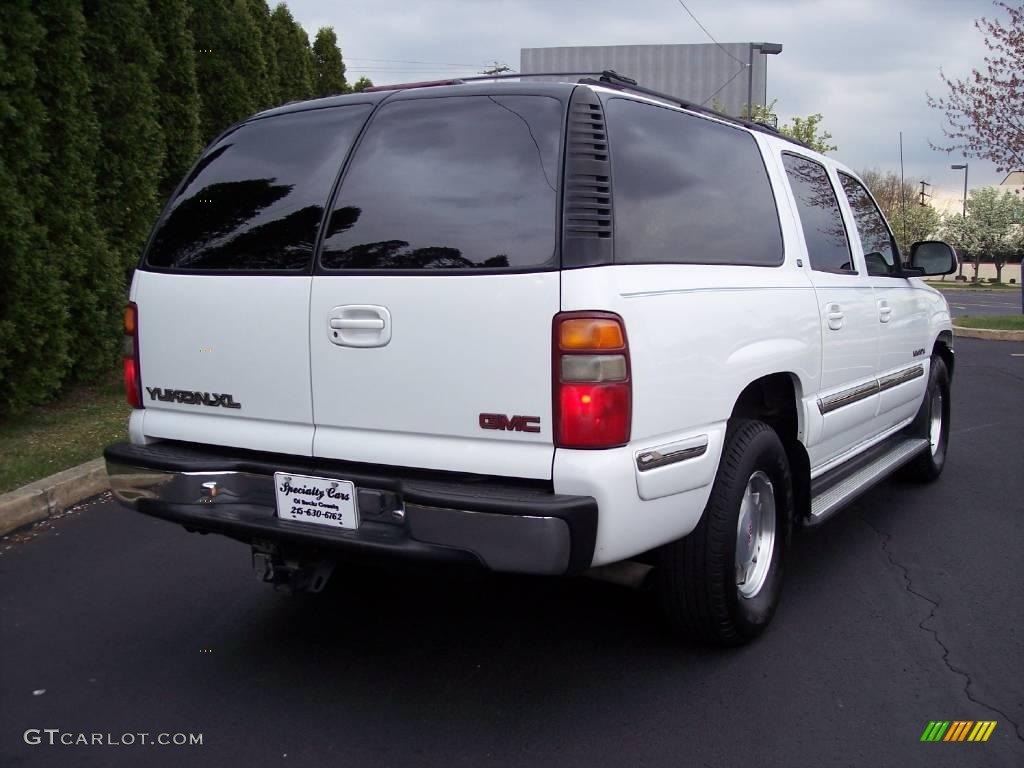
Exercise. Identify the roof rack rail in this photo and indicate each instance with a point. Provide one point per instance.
(611, 79)
(476, 78)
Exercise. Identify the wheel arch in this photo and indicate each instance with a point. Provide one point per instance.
(943, 347)
(776, 399)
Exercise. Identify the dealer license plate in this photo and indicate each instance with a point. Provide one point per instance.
(319, 500)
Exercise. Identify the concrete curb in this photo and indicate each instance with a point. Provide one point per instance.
(37, 501)
(986, 333)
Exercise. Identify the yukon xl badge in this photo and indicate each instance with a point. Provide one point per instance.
(510, 423)
(188, 397)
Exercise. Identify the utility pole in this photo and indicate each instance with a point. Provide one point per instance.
(924, 193)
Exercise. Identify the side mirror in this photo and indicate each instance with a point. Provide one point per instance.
(933, 257)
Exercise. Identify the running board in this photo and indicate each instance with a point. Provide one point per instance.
(832, 498)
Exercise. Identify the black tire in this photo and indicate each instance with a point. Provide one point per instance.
(928, 466)
(697, 575)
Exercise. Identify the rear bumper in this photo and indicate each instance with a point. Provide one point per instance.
(506, 525)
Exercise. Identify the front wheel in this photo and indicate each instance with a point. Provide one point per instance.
(932, 422)
(721, 583)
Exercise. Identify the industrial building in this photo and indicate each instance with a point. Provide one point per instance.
(731, 74)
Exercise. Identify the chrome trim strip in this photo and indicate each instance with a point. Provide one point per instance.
(861, 391)
(847, 397)
(646, 460)
(900, 377)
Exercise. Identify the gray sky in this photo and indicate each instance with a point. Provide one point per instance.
(864, 64)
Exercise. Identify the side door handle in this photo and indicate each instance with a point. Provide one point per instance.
(835, 316)
(884, 311)
(359, 325)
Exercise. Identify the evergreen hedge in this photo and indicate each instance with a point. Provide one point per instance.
(104, 105)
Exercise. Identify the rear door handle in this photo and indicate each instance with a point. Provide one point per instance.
(884, 311)
(835, 316)
(359, 325)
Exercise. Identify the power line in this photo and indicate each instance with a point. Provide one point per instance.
(710, 37)
(722, 87)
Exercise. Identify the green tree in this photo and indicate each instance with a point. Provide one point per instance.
(910, 220)
(805, 129)
(31, 281)
(361, 85)
(328, 67)
(888, 190)
(809, 131)
(178, 95)
(913, 223)
(122, 64)
(260, 12)
(294, 59)
(990, 230)
(85, 323)
(229, 64)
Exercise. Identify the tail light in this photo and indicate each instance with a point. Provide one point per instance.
(593, 393)
(132, 373)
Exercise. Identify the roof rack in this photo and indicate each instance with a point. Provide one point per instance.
(475, 78)
(612, 79)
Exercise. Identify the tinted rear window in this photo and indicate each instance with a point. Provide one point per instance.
(451, 183)
(688, 190)
(255, 201)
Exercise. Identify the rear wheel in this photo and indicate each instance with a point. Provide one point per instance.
(721, 583)
(932, 422)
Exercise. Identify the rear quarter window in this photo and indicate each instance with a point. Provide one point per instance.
(688, 190)
(255, 200)
(459, 182)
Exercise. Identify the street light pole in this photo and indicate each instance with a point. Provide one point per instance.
(769, 49)
(750, 82)
(963, 167)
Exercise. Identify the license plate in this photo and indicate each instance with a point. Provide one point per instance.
(319, 500)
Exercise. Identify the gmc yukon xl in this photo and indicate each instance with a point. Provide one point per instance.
(538, 327)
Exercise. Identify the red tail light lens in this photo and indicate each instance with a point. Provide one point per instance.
(593, 388)
(132, 374)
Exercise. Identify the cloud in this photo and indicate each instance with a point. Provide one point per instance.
(864, 64)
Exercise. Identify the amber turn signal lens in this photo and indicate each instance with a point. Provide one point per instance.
(590, 333)
(129, 319)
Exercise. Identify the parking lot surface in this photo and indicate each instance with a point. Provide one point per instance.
(905, 609)
(978, 302)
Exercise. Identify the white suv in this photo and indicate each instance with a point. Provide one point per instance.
(539, 327)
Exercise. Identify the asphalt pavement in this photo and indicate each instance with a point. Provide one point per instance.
(976, 302)
(907, 608)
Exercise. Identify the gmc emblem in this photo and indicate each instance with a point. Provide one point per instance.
(510, 423)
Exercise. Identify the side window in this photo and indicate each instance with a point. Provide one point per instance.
(688, 190)
(828, 248)
(880, 251)
(255, 200)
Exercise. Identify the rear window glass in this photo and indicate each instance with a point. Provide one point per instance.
(460, 182)
(688, 190)
(255, 201)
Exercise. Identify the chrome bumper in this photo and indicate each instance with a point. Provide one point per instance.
(241, 504)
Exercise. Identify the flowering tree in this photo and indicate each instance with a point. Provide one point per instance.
(992, 228)
(985, 111)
